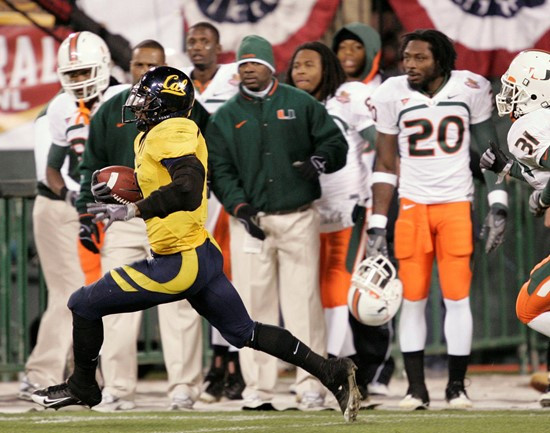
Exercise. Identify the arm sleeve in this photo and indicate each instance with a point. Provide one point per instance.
(93, 158)
(56, 156)
(482, 133)
(327, 138)
(184, 193)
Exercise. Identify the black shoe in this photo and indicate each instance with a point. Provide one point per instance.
(58, 396)
(234, 386)
(214, 382)
(456, 396)
(339, 377)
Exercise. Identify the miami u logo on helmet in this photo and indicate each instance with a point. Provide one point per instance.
(173, 86)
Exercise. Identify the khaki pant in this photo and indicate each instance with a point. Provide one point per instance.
(282, 277)
(56, 227)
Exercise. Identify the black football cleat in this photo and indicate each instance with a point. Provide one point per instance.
(58, 396)
(339, 378)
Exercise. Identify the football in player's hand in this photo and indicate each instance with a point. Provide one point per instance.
(121, 181)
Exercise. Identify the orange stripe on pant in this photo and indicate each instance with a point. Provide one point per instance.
(443, 231)
(221, 234)
(534, 296)
(335, 279)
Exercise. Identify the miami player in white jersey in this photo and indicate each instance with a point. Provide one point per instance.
(60, 135)
(315, 69)
(427, 118)
(525, 97)
(214, 84)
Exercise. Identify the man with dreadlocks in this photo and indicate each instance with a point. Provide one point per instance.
(427, 118)
(315, 69)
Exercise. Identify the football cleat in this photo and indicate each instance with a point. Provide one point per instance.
(456, 396)
(544, 399)
(58, 396)
(339, 378)
(416, 399)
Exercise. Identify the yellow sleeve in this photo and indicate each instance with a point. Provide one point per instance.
(173, 138)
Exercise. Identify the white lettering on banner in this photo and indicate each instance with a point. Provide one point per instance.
(10, 100)
(49, 60)
(26, 70)
(24, 65)
(3, 61)
(236, 12)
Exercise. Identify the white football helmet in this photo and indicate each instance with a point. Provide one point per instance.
(84, 51)
(526, 84)
(376, 293)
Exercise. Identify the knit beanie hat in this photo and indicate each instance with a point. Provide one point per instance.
(256, 49)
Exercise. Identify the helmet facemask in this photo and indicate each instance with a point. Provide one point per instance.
(141, 107)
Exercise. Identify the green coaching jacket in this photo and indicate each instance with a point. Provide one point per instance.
(111, 142)
(253, 142)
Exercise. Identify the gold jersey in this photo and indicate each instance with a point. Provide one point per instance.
(173, 138)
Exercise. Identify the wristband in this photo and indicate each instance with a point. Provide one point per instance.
(377, 221)
(383, 177)
(498, 196)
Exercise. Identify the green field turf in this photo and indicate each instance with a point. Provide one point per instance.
(537, 421)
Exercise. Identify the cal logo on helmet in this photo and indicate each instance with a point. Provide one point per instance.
(174, 86)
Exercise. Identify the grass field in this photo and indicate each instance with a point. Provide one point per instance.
(381, 421)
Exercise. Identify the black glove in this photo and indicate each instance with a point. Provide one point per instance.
(248, 216)
(376, 242)
(311, 168)
(495, 160)
(89, 234)
(494, 227)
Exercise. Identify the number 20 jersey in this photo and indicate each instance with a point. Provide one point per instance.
(433, 134)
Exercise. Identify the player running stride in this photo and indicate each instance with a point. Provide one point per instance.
(171, 165)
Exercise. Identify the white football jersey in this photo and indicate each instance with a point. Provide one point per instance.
(433, 134)
(222, 87)
(67, 127)
(348, 186)
(528, 141)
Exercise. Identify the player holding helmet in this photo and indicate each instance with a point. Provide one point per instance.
(171, 168)
(427, 118)
(525, 97)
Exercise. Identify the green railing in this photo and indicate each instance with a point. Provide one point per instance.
(496, 282)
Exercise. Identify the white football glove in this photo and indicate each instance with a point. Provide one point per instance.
(112, 212)
(494, 228)
(376, 242)
(536, 206)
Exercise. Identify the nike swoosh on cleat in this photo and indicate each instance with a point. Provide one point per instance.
(48, 402)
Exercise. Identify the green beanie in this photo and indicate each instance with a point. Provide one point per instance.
(256, 49)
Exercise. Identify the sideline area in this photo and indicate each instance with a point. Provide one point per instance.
(491, 391)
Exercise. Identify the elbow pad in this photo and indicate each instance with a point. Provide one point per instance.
(184, 193)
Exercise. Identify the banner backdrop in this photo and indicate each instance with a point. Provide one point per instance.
(284, 23)
(27, 81)
(487, 33)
